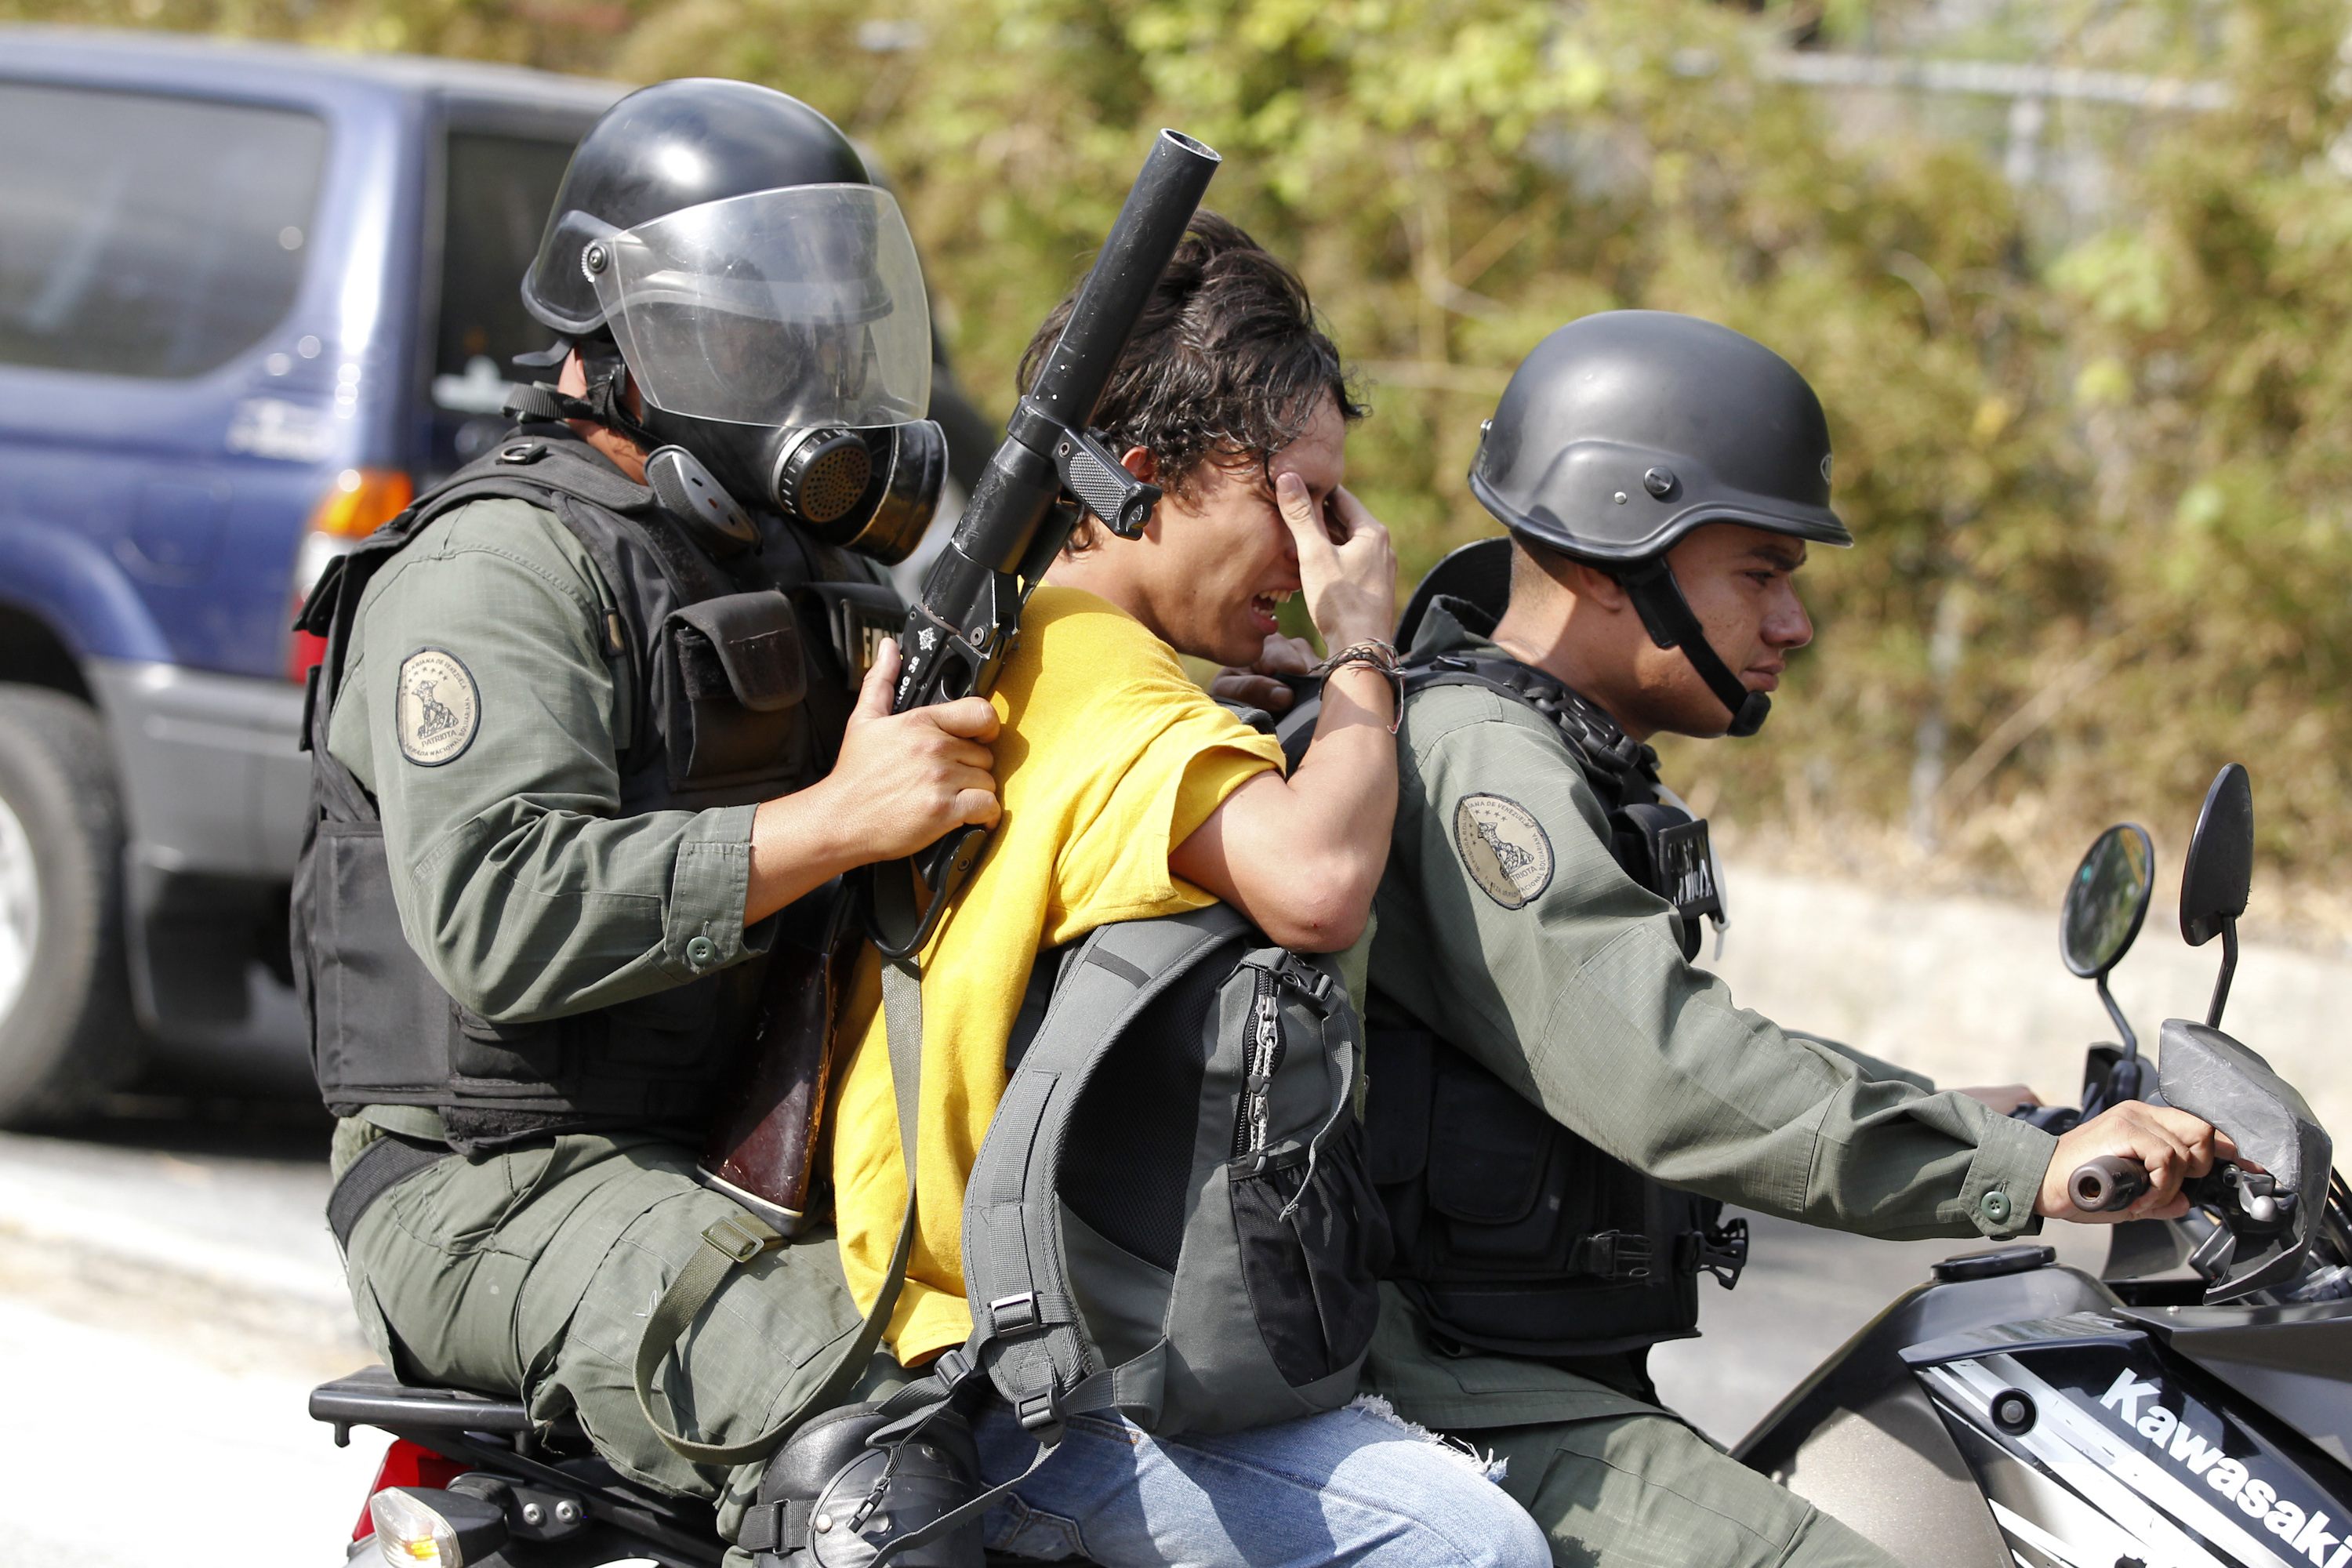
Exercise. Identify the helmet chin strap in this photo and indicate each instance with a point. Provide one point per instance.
(1667, 616)
(605, 400)
(608, 383)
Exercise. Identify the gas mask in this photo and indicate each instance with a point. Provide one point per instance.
(872, 490)
(781, 344)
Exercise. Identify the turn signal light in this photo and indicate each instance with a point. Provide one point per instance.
(409, 1534)
(407, 1464)
(417, 1528)
(360, 501)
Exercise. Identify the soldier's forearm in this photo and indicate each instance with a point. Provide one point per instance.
(799, 843)
(527, 913)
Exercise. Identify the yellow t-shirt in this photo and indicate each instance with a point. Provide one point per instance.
(1110, 755)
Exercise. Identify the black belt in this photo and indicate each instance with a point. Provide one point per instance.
(381, 1166)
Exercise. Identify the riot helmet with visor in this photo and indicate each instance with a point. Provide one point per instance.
(719, 246)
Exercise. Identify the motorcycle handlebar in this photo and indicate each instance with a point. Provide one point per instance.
(2106, 1183)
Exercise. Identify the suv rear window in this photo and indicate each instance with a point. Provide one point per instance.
(152, 237)
(497, 188)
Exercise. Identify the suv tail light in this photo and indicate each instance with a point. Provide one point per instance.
(361, 502)
(405, 1464)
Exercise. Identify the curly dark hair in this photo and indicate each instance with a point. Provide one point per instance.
(1227, 365)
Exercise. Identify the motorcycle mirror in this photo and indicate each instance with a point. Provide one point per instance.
(2219, 871)
(2106, 900)
(2105, 905)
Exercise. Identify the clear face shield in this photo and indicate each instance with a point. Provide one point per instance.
(783, 338)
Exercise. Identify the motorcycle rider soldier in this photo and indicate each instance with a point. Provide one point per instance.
(1544, 1058)
(575, 746)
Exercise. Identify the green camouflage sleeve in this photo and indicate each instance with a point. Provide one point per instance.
(1506, 919)
(480, 706)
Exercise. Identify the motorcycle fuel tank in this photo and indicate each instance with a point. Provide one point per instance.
(1861, 1440)
(2094, 1444)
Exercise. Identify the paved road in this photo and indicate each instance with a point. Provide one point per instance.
(168, 1296)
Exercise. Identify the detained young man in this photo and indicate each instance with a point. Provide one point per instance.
(1128, 793)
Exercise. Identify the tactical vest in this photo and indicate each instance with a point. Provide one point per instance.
(738, 675)
(1514, 1234)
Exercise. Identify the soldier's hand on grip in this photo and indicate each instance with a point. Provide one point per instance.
(905, 780)
(2172, 1144)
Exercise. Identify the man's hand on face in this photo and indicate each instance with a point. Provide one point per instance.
(904, 780)
(2172, 1144)
(1253, 686)
(1346, 567)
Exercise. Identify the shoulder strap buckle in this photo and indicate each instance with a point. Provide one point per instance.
(1721, 1250)
(1015, 1314)
(1040, 1412)
(1301, 975)
(740, 1237)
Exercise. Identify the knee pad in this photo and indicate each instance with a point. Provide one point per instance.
(833, 1499)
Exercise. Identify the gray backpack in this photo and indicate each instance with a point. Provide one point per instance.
(1170, 1217)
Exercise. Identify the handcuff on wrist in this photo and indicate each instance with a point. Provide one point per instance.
(1379, 657)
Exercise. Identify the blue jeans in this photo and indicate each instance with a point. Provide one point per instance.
(1350, 1486)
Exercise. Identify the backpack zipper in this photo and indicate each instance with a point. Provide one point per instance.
(1251, 1130)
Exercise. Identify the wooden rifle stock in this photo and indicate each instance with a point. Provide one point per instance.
(761, 1146)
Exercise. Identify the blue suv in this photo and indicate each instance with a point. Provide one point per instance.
(252, 298)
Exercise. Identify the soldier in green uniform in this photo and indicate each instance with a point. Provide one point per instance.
(1559, 1100)
(588, 734)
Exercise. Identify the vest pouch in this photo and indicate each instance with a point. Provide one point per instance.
(857, 616)
(1493, 1157)
(365, 973)
(522, 1060)
(729, 694)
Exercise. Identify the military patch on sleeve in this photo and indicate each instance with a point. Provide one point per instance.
(439, 707)
(1503, 848)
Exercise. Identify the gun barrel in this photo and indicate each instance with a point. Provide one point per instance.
(1008, 511)
(968, 612)
(1149, 227)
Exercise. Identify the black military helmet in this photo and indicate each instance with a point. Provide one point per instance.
(1624, 431)
(663, 148)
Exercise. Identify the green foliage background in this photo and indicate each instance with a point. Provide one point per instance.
(2102, 473)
